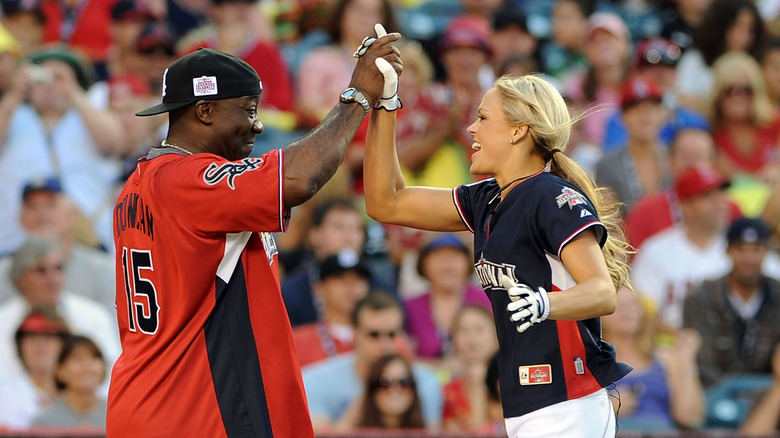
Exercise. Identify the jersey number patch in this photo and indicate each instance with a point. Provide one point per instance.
(143, 311)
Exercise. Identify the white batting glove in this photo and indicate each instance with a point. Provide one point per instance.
(389, 99)
(527, 307)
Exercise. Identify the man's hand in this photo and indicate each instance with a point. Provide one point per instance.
(527, 307)
(367, 76)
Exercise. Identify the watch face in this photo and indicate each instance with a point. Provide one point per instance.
(348, 94)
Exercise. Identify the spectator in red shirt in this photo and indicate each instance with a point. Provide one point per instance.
(343, 282)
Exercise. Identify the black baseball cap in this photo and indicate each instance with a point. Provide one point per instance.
(343, 261)
(750, 230)
(205, 74)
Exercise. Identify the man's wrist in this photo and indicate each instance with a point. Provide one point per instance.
(353, 95)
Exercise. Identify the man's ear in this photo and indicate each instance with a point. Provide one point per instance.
(204, 110)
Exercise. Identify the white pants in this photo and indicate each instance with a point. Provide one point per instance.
(590, 416)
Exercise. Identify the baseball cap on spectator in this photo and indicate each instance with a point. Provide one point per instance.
(698, 180)
(440, 241)
(63, 54)
(748, 230)
(609, 22)
(155, 37)
(128, 82)
(508, 17)
(130, 10)
(32, 7)
(51, 185)
(341, 262)
(205, 74)
(467, 31)
(638, 89)
(38, 321)
(656, 51)
(8, 43)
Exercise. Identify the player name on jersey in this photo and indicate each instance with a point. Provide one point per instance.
(490, 273)
(131, 212)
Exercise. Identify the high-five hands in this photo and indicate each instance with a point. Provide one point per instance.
(389, 99)
(527, 307)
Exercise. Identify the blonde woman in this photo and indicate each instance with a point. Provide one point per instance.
(664, 390)
(746, 126)
(547, 250)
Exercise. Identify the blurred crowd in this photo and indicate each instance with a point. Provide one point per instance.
(678, 104)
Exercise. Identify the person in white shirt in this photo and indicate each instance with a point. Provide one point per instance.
(675, 260)
(37, 272)
(47, 210)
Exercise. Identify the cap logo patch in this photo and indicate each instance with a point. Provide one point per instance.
(570, 197)
(204, 86)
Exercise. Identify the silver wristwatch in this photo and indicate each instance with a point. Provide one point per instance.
(351, 95)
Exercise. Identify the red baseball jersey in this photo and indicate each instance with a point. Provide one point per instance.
(207, 346)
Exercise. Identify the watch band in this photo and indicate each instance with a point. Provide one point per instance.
(352, 95)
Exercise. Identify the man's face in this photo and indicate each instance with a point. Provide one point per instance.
(377, 333)
(342, 291)
(41, 283)
(691, 148)
(236, 125)
(707, 212)
(747, 258)
(47, 213)
(340, 229)
(644, 120)
(53, 91)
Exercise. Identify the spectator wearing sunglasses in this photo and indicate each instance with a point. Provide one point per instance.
(334, 386)
(656, 59)
(391, 400)
(37, 271)
(746, 125)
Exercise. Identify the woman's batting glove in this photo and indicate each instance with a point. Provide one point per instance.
(389, 99)
(527, 307)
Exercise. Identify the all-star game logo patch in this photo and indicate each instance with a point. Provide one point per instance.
(535, 374)
(571, 197)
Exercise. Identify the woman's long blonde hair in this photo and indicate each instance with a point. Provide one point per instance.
(531, 101)
(729, 68)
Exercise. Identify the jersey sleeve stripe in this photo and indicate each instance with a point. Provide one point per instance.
(460, 211)
(282, 221)
(576, 233)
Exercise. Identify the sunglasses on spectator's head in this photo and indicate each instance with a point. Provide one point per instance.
(403, 383)
(656, 55)
(376, 334)
(738, 90)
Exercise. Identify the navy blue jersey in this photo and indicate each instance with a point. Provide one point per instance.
(522, 237)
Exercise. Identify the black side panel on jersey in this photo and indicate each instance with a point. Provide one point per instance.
(235, 367)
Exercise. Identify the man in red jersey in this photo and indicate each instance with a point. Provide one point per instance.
(207, 347)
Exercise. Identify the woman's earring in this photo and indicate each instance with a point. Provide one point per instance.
(511, 140)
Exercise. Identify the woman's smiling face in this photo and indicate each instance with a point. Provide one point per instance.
(491, 134)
